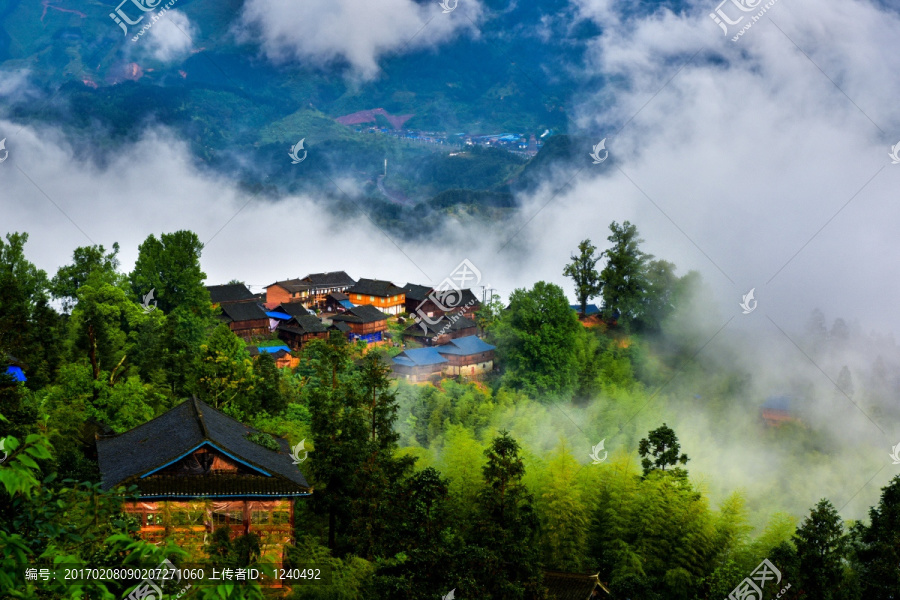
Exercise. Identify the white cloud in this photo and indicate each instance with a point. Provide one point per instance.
(171, 37)
(358, 33)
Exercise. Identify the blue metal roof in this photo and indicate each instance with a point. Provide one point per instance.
(418, 357)
(590, 309)
(464, 346)
(273, 349)
(16, 373)
(277, 314)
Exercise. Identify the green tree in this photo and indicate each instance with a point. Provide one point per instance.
(170, 266)
(29, 327)
(381, 471)
(878, 555)
(339, 431)
(564, 514)
(821, 542)
(225, 372)
(660, 295)
(624, 276)
(662, 445)
(508, 526)
(583, 271)
(87, 261)
(536, 340)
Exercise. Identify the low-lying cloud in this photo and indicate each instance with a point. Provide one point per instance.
(324, 32)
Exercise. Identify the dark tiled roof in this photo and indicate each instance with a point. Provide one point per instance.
(173, 434)
(292, 285)
(570, 586)
(233, 292)
(459, 323)
(416, 292)
(333, 279)
(243, 311)
(375, 287)
(295, 309)
(365, 313)
(340, 327)
(303, 324)
(338, 296)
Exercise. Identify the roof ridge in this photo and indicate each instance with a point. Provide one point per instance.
(200, 420)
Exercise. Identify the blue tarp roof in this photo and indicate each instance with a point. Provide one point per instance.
(778, 403)
(16, 373)
(417, 357)
(346, 304)
(590, 309)
(464, 346)
(277, 314)
(273, 349)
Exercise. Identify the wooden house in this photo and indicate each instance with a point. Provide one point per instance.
(310, 290)
(245, 319)
(320, 285)
(301, 329)
(197, 469)
(229, 293)
(383, 295)
(282, 355)
(442, 331)
(366, 323)
(777, 410)
(468, 356)
(433, 303)
(419, 364)
(337, 302)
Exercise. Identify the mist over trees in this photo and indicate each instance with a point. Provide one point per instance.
(472, 486)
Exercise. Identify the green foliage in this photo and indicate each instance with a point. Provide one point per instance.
(537, 337)
(662, 445)
(265, 440)
(623, 277)
(583, 271)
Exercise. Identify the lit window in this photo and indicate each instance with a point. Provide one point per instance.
(371, 298)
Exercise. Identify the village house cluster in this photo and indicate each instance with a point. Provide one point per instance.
(307, 308)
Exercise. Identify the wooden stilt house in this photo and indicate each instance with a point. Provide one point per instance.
(197, 469)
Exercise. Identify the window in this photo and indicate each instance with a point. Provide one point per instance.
(371, 298)
(259, 517)
(281, 517)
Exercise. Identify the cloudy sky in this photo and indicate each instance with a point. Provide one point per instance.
(762, 163)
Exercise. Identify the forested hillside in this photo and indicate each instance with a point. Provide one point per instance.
(562, 460)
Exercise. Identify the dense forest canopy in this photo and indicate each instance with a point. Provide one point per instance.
(472, 486)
